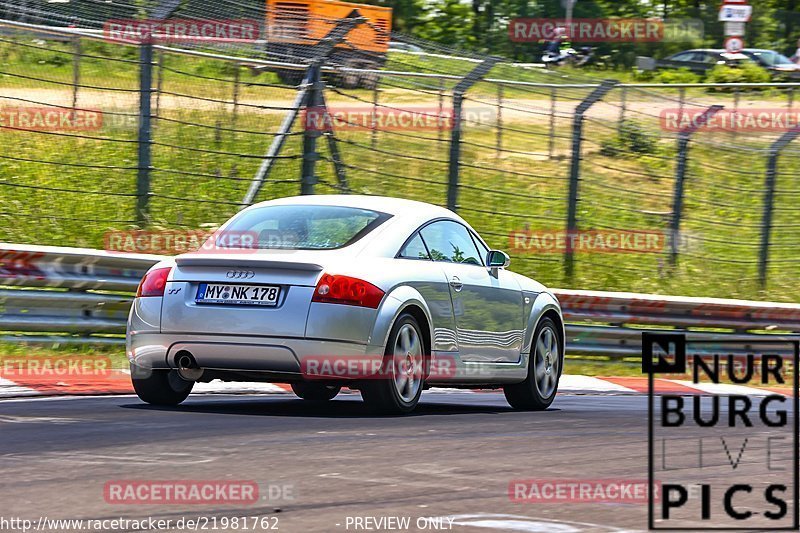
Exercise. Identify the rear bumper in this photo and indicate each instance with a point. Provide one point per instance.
(274, 355)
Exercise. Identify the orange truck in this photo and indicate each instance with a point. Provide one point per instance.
(294, 27)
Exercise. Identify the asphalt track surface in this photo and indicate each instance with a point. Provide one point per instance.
(454, 457)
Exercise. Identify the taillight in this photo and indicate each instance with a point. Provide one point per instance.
(348, 291)
(153, 283)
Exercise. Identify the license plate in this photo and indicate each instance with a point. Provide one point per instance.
(223, 293)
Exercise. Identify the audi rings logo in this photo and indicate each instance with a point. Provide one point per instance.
(240, 274)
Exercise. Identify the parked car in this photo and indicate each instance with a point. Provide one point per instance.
(405, 294)
(776, 63)
(703, 59)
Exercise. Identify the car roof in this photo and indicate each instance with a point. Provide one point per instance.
(398, 207)
(713, 50)
(407, 216)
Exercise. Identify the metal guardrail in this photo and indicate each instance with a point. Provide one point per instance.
(80, 295)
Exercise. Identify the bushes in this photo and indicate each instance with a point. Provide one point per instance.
(631, 138)
(745, 73)
(681, 75)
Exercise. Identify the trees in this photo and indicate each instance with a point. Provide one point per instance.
(482, 24)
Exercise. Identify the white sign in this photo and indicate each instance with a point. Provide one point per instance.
(734, 45)
(735, 13)
(734, 28)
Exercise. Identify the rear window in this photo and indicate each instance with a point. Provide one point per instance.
(306, 227)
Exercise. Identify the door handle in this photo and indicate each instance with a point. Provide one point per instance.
(456, 283)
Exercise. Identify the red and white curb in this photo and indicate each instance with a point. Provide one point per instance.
(118, 382)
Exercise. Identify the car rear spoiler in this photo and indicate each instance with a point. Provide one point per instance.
(246, 259)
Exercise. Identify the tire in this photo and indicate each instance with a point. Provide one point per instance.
(315, 392)
(399, 388)
(160, 387)
(358, 80)
(539, 389)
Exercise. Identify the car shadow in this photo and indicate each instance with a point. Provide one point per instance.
(351, 407)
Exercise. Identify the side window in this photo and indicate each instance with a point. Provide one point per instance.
(414, 249)
(450, 241)
(684, 56)
(710, 58)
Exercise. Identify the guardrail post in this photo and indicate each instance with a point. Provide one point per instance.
(575, 168)
(455, 135)
(680, 176)
(769, 196)
(145, 130)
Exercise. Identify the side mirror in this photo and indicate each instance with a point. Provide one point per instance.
(497, 259)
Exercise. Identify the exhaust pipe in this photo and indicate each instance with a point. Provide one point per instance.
(188, 368)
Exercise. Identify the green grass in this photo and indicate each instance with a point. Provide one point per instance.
(202, 169)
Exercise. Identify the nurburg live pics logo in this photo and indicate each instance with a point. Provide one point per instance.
(726, 459)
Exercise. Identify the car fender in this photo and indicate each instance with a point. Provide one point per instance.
(393, 304)
(544, 302)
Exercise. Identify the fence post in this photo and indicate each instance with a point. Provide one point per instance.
(499, 118)
(575, 168)
(308, 178)
(336, 155)
(159, 80)
(305, 97)
(680, 176)
(277, 144)
(76, 70)
(552, 140)
(623, 105)
(374, 118)
(144, 136)
(236, 88)
(440, 122)
(769, 196)
(455, 135)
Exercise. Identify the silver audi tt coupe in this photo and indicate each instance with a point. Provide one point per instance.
(383, 295)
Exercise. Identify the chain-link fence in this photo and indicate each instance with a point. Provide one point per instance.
(586, 184)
